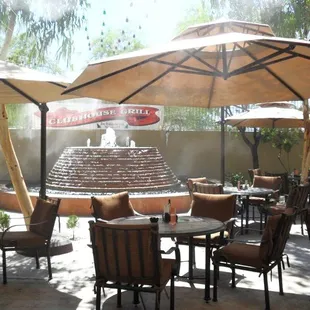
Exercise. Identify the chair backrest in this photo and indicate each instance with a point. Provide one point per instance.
(126, 253)
(275, 236)
(45, 213)
(268, 182)
(190, 183)
(112, 206)
(298, 196)
(208, 188)
(285, 181)
(221, 207)
(253, 172)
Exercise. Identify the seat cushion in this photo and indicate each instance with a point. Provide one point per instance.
(201, 240)
(240, 253)
(22, 239)
(112, 207)
(277, 209)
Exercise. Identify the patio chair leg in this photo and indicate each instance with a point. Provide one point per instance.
(37, 260)
(280, 279)
(48, 257)
(267, 302)
(157, 301)
(233, 277)
(215, 277)
(172, 293)
(98, 298)
(136, 296)
(119, 298)
(4, 267)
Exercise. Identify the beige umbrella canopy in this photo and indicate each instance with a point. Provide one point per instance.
(269, 115)
(222, 70)
(224, 26)
(22, 85)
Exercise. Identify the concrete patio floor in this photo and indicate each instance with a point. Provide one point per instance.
(73, 274)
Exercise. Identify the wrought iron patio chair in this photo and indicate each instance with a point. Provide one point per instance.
(261, 259)
(269, 182)
(217, 206)
(128, 257)
(190, 183)
(37, 238)
(297, 199)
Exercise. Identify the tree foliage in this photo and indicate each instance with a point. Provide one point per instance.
(53, 21)
(115, 42)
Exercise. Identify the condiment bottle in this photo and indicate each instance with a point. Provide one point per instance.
(173, 215)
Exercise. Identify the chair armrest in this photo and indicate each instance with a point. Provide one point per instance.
(231, 220)
(176, 269)
(137, 213)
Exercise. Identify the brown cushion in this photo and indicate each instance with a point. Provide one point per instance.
(240, 253)
(190, 182)
(267, 182)
(201, 240)
(45, 212)
(220, 207)
(277, 209)
(208, 188)
(112, 207)
(22, 239)
(266, 245)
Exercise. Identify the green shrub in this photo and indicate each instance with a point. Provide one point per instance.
(72, 223)
(233, 178)
(4, 221)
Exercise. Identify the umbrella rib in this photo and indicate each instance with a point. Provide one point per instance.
(103, 77)
(154, 80)
(58, 84)
(257, 61)
(203, 62)
(257, 29)
(258, 67)
(7, 83)
(275, 76)
(206, 73)
(193, 69)
(277, 49)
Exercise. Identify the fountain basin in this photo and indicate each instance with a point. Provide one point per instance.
(80, 204)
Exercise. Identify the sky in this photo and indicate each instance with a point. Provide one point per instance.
(158, 20)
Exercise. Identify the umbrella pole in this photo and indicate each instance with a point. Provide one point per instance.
(222, 147)
(306, 148)
(44, 109)
(16, 175)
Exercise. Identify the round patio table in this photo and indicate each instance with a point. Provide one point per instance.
(186, 226)
(246, 193)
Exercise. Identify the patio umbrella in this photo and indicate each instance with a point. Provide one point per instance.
(224, 26)
(247, 69)
(268, 115)
(22, 85)
(219, 27)
(221, 70)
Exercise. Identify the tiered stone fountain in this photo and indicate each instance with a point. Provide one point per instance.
(81, 172)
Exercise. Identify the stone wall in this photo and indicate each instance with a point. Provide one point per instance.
(187, 153)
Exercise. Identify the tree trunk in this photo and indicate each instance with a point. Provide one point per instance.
(17, 179)
(253, 146)
(306, 148)
(255, 160)
(8, 36)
